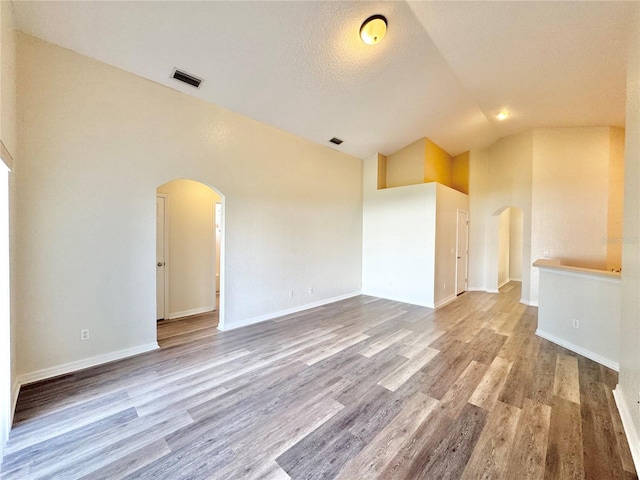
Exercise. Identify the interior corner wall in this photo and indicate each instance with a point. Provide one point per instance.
(95, 142)
(478, 204)
(406, 166)
(191, 259)
(398, 240)
(438, 164)
(460, 173)
(515, 244)
(8, 136)
(504, 242)
(448, 203)
(615, 211)
(8, 98)
(629, 379)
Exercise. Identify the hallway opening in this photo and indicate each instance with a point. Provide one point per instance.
(189, 258)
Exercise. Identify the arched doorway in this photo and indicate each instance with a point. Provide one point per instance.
(189, 256)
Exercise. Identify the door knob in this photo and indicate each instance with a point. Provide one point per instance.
(160, 264)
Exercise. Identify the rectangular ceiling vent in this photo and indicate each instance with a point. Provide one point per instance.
(187, 78)
(335, 140)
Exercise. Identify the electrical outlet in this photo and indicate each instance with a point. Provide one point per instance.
(546, 253)
(290, 293)
(310, 290)
(84, 334)
(576, 323)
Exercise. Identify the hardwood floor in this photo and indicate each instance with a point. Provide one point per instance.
(360, 389)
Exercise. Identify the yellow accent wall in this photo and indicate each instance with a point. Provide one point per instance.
(437, 164)
(424, 162)
(460, 173)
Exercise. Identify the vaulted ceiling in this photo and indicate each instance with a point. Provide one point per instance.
(444, 70)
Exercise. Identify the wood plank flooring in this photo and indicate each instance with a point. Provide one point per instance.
(360, 389)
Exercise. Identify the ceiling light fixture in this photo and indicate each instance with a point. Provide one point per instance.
(502, 115)
(373, 29)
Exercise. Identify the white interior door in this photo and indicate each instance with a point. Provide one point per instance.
(161, 248)
(462, 252)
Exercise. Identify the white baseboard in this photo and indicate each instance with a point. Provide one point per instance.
(65, 368)
(504, 283)
(579, 350)
(15, 391)
(446, 301)
(410, 301)
(4, 434)
(289, 311)
(193, 311)
(533, 303)
(480, 289)
(633, 438)
(515, 279)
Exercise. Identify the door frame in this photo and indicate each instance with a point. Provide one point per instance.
(466, 255)
(165, 197)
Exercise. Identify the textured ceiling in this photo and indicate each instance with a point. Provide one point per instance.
(443, 71)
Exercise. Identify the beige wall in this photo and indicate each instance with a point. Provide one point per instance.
(504, 236)
(571, 195)
(192, 258)
(515, 244)
(95, 144)
(8, 243)
(500, 177)
(559, 178)
(406, 166)
(8, 127)
(627, 392)
(616, 199)
(478, 213)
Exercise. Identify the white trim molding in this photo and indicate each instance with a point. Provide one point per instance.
(70, 367)
(15, 391)
(633, 438)
(289, 311)
(193, 311)
(446, 301)
(579, 350)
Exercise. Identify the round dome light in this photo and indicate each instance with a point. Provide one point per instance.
(373, 29)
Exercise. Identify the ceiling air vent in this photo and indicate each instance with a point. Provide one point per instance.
(335, 140)
(186, 78)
